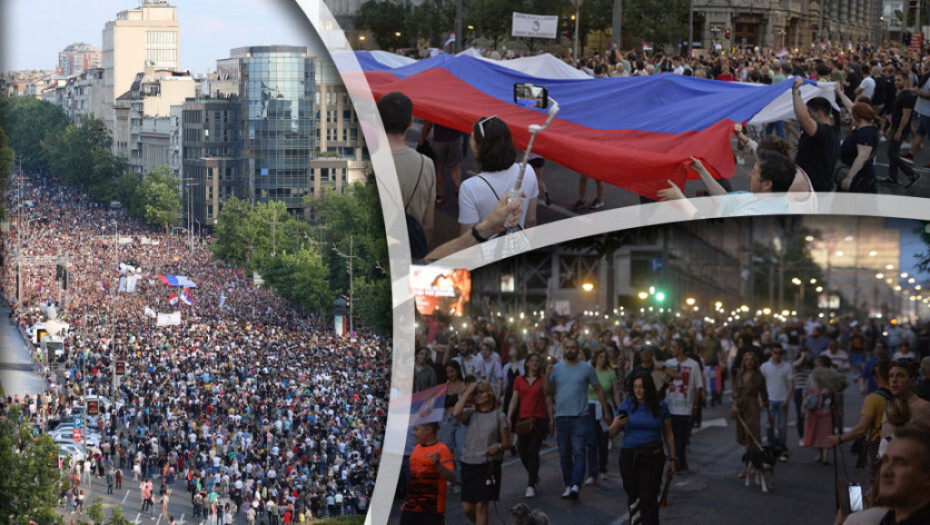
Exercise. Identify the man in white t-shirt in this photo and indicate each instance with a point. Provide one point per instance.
(471, 363)
(780, 386)
(867, 86)
(683, 396)
(491, 368)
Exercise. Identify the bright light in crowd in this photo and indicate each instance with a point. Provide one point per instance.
(587, 287)
(796, 281)
(813, 281)
(912, 280)
(873, 253)
(889, 267)
(643, 295)
(718, 305)
(809, 238)
(744, 308)
(690, 301)
(660, 296)
(904, 275)
(652, 290)
(879, 276)
(767, 311)
(839, 253)
(819, 288)
(849, 238)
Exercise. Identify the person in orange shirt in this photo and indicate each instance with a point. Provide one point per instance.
(431, 466)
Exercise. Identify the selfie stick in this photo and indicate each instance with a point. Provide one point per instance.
(534, 130)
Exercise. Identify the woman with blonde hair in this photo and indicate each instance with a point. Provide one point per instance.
(487, 436)
(749, 398)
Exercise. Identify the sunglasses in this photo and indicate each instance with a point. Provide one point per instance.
(481, 124)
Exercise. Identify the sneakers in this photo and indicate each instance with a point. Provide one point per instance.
(914, 178)
(579, 204)
(596, 204)
(590, 480)
(783, 459)
(573, 495)
(568, 493)
(907, 157)
(530, 492)
(602, 476)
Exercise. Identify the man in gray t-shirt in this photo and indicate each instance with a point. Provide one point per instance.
(567, 402)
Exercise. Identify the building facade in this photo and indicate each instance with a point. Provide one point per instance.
(147, 36)
(793, 24)
(77, 58)
(210, 157)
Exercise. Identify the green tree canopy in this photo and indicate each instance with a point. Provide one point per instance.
(30, 124)
(384, 19)
(161, 198)
(30, 482)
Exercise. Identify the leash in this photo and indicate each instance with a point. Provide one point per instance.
(748, 430)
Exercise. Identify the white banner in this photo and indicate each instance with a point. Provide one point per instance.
(168, 319)
(131, 282)
(535, 26)
(150, 313)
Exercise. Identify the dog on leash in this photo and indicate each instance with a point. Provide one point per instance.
(524, 515)
(759, 465)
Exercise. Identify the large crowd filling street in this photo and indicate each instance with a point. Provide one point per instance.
(650, 376)
(248, 410)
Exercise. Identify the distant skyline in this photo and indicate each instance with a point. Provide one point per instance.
(34, 31)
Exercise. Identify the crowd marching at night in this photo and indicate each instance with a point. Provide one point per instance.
(248, 410)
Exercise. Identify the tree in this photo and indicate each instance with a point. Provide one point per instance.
(923, 259)
(6, 168)
(235, 233)
(492, 18)
(301, 278)
(160, 198)
(657, 21)
(95, 512)
(30, 482)
(29, 124)
(116, 516)
(384, 19)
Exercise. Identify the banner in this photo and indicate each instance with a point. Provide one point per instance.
(150, 313)
(168, 319)
(535, 26)
(131, 282)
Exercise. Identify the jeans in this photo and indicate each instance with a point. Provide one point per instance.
(529, 446)
(895, 162)
(641, 472)
(778, 430)
(590, 441)
(570, 434)
(799, 409)
(777, 128)
(681, 428)
(452, 435)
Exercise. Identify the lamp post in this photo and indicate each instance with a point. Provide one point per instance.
(349, 262)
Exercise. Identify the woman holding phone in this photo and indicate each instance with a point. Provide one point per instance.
(645, 420)
(487, 436)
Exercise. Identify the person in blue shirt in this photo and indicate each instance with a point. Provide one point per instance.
(644, 420)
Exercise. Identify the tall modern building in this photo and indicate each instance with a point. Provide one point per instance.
(277, 126)
(148, 35)
(77, 58)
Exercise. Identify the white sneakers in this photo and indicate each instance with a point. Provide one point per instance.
(530, 492)
(602, 476)
(589, 481)
(567, 493)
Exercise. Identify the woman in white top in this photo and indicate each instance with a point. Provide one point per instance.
(496, 157)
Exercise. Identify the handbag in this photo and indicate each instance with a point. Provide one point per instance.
(811, 402)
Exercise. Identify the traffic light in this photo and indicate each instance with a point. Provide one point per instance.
(727, 33)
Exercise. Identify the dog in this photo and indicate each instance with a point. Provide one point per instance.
(524, 515)
(760, 465)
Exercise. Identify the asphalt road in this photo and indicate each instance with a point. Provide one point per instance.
(562, 184)
(17, 373)
(710, 494)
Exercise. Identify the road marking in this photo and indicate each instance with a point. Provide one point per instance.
(136, 521)
(181, 521)
(158, 520)
(717, 422)
(126, 496)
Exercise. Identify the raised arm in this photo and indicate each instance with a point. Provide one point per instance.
(808, 124)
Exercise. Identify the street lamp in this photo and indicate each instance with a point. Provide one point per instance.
(349, 261)
(587, 286)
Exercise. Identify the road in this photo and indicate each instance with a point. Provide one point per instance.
(562, 184)
(711, 494)
(17, 374)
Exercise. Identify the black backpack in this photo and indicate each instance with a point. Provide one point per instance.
(415, 233)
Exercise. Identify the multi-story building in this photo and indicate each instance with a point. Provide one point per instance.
(77, 58)
(285, 129)
(150, 99)
(147, 36)
(784, 23)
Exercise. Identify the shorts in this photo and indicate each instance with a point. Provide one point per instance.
(923, 125)
(481, 482)
(448, 154)
(422, 518)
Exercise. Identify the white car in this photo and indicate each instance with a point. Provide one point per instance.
(66, 433)
(67, 450)
(92, 440)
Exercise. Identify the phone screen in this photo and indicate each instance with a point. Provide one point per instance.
(855, 498)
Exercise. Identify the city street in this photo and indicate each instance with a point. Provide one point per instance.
(562, 184)
(17, 374)
(710, 494)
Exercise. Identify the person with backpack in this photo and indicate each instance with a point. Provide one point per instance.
(416, 173)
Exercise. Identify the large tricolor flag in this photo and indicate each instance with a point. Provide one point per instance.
(177, 281)
(633, 132)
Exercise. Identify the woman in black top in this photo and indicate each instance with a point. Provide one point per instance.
(858, 149)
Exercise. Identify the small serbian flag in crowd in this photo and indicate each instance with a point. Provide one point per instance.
(186, 297)
(449, 40)
(40, 287)
(647, 46)
(173, 299)
(104, 287)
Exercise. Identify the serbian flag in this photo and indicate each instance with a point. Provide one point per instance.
(186, 297)
(647, 46)
(104, 287)
(173, 299)
(40, 288)
(449, 40)
(177, 281)
(632, 132)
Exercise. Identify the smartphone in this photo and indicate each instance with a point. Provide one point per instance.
(855, 498)
(622, 414)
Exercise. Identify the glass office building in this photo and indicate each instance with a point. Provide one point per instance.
(275, 88)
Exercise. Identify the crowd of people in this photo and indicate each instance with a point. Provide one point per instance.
(583, 380)
(255, 410)
(882, 95)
